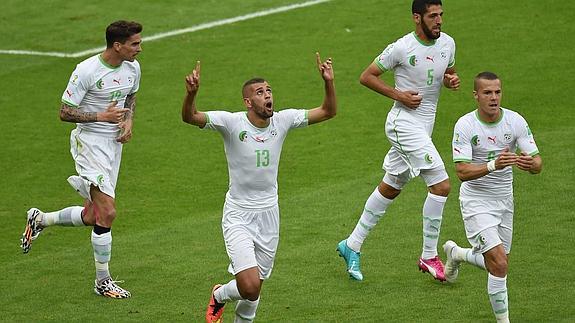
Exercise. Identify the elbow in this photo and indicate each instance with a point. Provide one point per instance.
(62, 115)
(462, 176)
(363, 79)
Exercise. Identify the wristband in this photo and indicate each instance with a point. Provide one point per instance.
(491, 166)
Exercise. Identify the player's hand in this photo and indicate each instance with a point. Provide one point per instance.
(524, 161)
(505, 159)
(193, 80)
(451, 81)
(113, 114)
(126, 131)
(325, 68)
(410, 99)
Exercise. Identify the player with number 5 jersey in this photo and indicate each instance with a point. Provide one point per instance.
(421, 61)
(253, 142)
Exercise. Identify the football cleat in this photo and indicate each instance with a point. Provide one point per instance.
(451, 265)
(351, 260)
(215, 310)
(434, 266)
(109, 288)
(32, 230)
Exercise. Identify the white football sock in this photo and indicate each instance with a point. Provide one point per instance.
(246, 311)
(497, 290)
(228, 292)
(102, 245)
(432, 215)
(374, 210)
(469, 256)
(70, 216)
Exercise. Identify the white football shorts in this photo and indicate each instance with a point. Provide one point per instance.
(488, 223)
(97, 158)
(251, 238)
(412, 150)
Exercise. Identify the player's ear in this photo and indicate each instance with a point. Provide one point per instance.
(475, 95)
(417, 18)
(247, 102)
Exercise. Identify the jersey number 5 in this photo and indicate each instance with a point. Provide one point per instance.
(430, 76)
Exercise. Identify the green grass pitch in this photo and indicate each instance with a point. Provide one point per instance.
(168, 245)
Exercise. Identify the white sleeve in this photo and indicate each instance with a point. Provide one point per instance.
(462, 149)
(452, 57)
(525, 141)
(77, 87)
(221, 121)
(138, 73)
(390, 57)
(293, 118)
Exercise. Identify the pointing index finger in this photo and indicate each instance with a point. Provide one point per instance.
(197, 66)
(318, 58)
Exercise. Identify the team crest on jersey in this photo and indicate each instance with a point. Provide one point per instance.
(475, 140)
(100, 179)
(443, 55)
(413, 60)
(74, 78)
(243, 136)
(507, 138)
(273, 133)
(428, 158)
(100, 84)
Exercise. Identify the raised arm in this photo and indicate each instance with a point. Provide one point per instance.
(371, 79)
(189, 112)
(328, 108)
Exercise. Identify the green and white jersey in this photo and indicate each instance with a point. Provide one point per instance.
(253, 154)
(477, 142)
(94, 84)
(420, 67)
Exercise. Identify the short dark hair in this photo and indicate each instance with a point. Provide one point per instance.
(420, 6)
(249, 82)
(120, 31)
(484, 76)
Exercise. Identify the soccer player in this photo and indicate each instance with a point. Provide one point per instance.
(487, 143)
(253, 142)
(101, 99)
(421, 62)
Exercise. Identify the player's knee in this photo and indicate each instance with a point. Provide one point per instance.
(441, 188)
(250, 291)
(498, 267)
(388, 191)
(106, 215)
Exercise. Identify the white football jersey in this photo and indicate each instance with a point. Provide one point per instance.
(477, 142)
(94, 84)
(419, 67)
(253, 154)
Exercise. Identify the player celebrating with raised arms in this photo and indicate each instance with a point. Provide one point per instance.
(253, 142)
(421, 61)
(485, 142)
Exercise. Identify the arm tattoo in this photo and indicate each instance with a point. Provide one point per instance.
(70, 114)
(130, 104)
